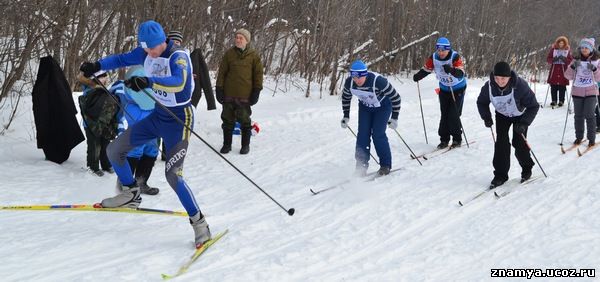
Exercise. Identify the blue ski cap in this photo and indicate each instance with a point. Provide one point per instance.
(151, 34)
(358, 69)
(139, 97)
(442, 44)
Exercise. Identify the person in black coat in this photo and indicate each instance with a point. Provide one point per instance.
(515, 105)
(57, 129)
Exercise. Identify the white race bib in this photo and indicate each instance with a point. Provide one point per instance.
(368, 99)
(585, 77)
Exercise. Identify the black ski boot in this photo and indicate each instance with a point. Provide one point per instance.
(456, 143)
(442, 145)
(525, 175)
(497, 181)
(384, 170)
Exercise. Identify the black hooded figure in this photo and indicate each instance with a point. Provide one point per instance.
(58, 131)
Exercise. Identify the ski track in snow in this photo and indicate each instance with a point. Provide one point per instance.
(404, 227)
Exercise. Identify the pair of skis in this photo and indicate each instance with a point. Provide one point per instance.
(508, 187)
(98, 208)
(578, 148)
(437, 152)
(94, 207)
(369, 177)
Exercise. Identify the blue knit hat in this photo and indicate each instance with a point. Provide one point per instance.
(587, 43)
(151, 34)
(358, 69)
(442, 43)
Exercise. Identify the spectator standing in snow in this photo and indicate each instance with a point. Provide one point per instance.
(449, 70)
(515, 105)
(239, 82)
(377, 99)
(97, 122)
(559, 58)
(584, 73)
(167, 69)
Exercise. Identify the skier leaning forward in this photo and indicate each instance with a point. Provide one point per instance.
(377, 100)
(168, 72)
(515, 105)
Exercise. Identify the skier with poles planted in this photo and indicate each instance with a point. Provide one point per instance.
(449, 70)
(584, 73)
(558, 58)
(168, 72)
(515, 105)
(377, 100)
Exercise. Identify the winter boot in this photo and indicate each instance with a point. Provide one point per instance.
(442, 145)
(525, 175)
(456, 143)
(246, 133)
(577, 141)
(144, 188)
(227, 136)
(553, 104)
(96, 172)
(560, 104)
(201, 230)
(142, 174)
(497, 181)
(384, 170)
(129, 198)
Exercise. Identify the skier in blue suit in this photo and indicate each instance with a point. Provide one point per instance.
(377, 100)
(168, 72)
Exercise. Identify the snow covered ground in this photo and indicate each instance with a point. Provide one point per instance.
(404, 227)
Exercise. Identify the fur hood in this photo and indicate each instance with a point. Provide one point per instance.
(563, 39)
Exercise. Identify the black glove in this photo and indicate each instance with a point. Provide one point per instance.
(591, 67)
(575, 64)
(89, 69)
(137, 83)
(220, 94)
(488, 122)
(562, 58)
(254, 96)
(555, 59)
(448, 69)
(420, 75)
(520, 128)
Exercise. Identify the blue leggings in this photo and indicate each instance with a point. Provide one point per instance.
(175, 137)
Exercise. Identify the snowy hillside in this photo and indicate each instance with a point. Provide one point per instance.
(403, 227)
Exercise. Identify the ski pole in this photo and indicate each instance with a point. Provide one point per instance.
(493, 136)
(357, 138)
(411, 151)
(458, 115)
(289, 212)
(548, 89)
(536, 160)
(567, 115)
(422, 116)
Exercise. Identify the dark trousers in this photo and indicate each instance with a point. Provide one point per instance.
(233, 112)
(96, 151)
(558, 93)
(450, 115)
(502, 148)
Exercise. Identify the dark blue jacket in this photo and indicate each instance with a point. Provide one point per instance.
(524, 98)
